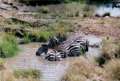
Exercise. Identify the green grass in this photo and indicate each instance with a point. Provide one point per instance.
(42, 34)
(67, 10)
(8, 46)
(2, 62)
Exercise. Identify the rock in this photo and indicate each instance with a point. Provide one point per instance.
(97, 15)
(106, 14)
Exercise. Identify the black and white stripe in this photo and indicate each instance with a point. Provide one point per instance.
(52, 43)
(53, 55)
(78, 48)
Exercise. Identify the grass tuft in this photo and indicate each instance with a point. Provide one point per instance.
(110, 48)
(113, 70)
(82, 70)
(7, 74)
(8, 46)
(27, 73)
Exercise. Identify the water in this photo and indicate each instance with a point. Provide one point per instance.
(51, 71)
(94, 52)
(114, 12)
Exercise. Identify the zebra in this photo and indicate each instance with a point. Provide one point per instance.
(42, 49)
(62, 53)
(53, 55)
(77, 48)
(52, 43)
(56, 40)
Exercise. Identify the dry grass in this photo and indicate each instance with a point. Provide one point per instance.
(82, 70)
(110, 48)
(113, 70)
(27, 73)
(7, 74)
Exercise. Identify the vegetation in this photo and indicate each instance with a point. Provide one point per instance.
(32, 33)
(14, 21)
(8, 46)
(62, 11)
(35, 74)
(44, 33)
(7, 74)
(111, 48)
(113, 70)
(110, 71)
(79, 71)
(2, 62)
(45, 2)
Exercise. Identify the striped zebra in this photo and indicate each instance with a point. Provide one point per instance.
(53, 55)
(77, 48)
(52, 43)
(56, 40)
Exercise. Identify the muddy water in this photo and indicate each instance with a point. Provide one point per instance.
(94, 52)
(51, 71)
